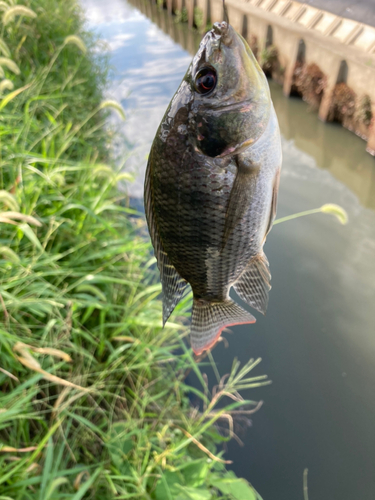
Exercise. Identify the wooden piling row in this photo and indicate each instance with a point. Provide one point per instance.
(329, 41)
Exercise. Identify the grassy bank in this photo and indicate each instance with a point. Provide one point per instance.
(93, 399)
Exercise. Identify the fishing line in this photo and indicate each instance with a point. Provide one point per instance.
(226, 19)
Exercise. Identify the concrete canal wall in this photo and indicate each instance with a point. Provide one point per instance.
(327, 59)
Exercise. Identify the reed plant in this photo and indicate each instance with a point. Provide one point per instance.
(93, 395)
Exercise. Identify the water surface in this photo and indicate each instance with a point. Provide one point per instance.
(318, 338)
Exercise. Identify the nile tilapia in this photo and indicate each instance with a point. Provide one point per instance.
(211, 186)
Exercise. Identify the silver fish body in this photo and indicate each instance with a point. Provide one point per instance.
(211, 187)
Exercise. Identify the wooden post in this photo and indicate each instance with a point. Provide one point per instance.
(177, 5)
(190, 4)
(328, 91)
(289, 70)
(203, 5)
(216, 9)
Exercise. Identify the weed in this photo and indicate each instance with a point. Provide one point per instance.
(93, 396)
(310, 82)
(182, 16)
(343, 104)
(198, 18)
(269, 60)
(253, 43)
(363, 112)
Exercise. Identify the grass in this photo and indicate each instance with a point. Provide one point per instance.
(93, 398)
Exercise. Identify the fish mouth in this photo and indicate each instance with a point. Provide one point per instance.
(220, 28)
(223, 31)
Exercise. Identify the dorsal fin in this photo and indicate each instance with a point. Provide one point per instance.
(173, 285)
(275, 191)
(254, 283)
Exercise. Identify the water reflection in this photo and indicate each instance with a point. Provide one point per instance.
(147, 69)
(150, 65)
(317, 341)
(332, 147)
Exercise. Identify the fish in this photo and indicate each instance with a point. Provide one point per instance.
(211, 186)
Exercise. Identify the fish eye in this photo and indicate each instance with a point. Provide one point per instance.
(205, 81)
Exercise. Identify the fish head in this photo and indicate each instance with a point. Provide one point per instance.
(230, 101)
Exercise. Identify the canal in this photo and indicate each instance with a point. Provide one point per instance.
(317, 341)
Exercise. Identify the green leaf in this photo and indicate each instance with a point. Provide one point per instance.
(80, 493)
(29, 233)
(195, 472)
(119, 445)
(54, 485)
(188, 493)
(91, 289)
(46, 468)
(167, 488)
(238, 488)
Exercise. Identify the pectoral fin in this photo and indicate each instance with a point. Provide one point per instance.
(254, 283)
(173, 286)
(240, 197)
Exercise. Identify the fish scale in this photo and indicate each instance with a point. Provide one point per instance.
(211, 186)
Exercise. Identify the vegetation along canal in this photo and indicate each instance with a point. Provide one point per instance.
(317, 341)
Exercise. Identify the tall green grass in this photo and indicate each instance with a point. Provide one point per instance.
(93, 400)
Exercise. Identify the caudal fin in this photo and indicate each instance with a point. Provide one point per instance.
(210, 318)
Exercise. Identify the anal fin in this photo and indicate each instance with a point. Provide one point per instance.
(173, 285)
(254, 283)
(210, 318)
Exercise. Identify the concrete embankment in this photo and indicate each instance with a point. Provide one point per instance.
(327, 59)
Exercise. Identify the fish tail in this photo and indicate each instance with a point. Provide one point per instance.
(210, 318)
